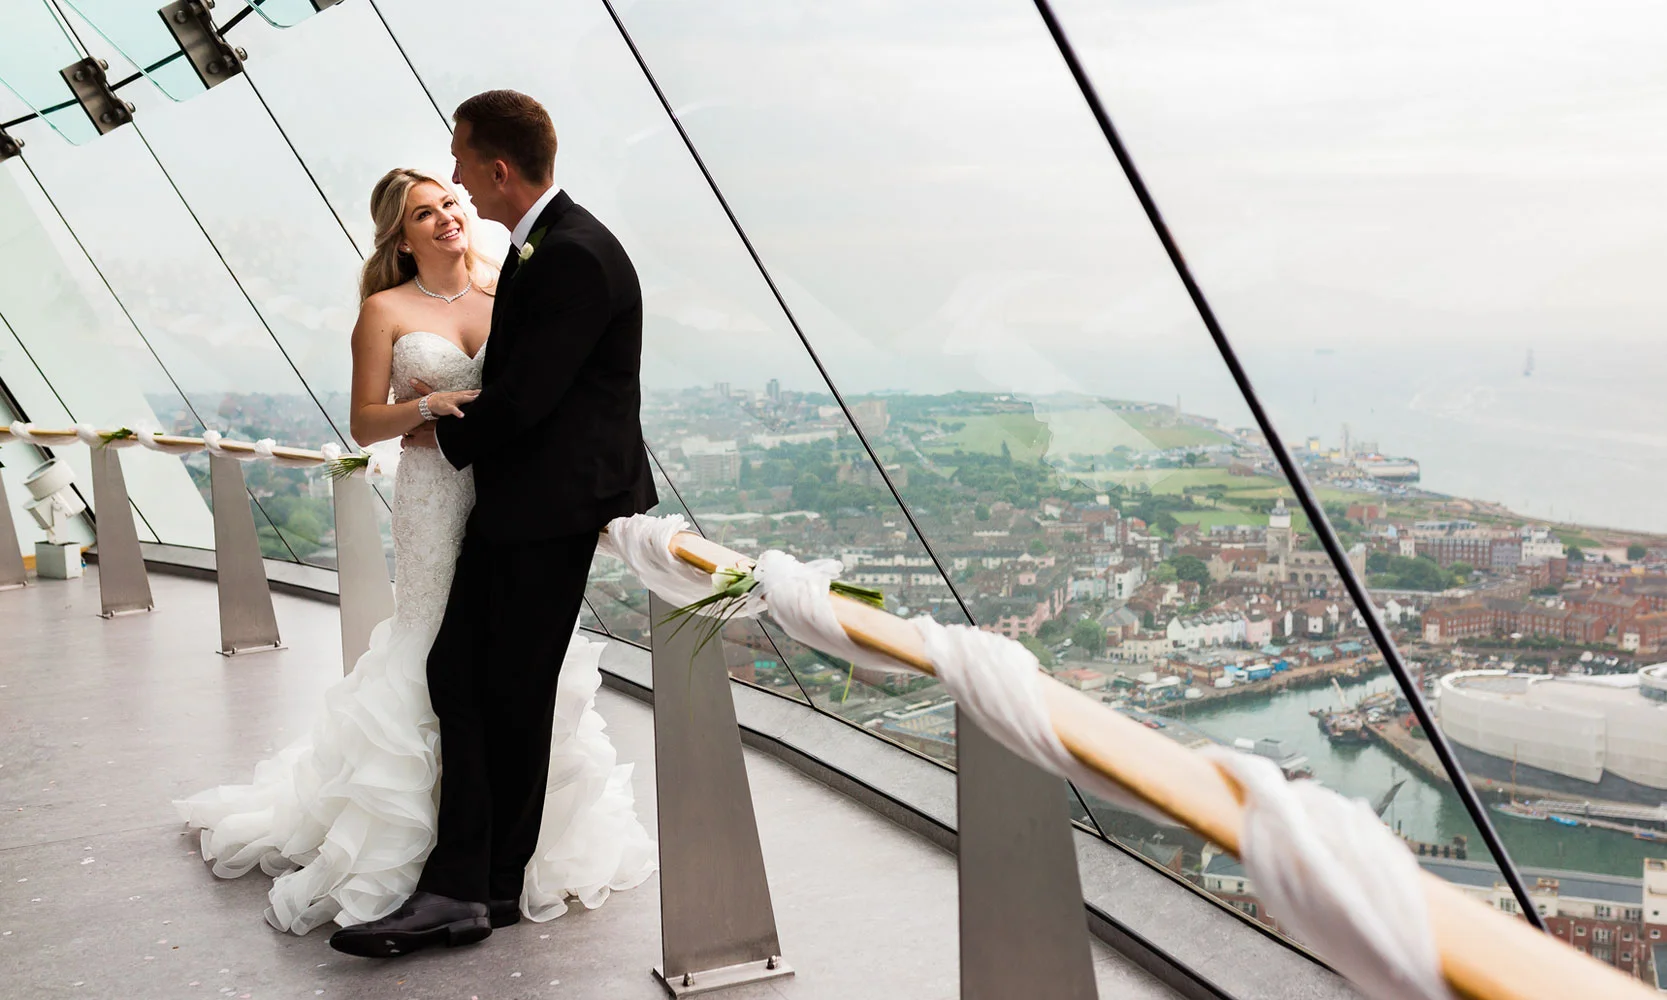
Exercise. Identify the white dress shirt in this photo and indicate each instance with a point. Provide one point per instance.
(523, 229)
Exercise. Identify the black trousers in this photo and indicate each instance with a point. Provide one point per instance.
(492, 679)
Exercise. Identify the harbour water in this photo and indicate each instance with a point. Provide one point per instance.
(1423, 809)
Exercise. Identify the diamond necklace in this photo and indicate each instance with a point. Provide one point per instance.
(449, 298)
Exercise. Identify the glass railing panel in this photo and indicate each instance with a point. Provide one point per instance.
(75, 357)
(1430, 290)
(348, 144)
(144, 41)
(734, 407)
(190, 311)
(968, 260)
(286, 13)
(17, 460)
(33, 48)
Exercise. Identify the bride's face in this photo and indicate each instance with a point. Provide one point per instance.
(436, 227)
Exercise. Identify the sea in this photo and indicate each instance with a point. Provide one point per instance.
(1423, 809)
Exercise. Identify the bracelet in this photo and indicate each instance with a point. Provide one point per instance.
(423, 410)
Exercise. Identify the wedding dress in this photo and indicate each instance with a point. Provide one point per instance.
(345, 817)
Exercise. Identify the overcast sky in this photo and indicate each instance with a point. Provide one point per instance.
(1420, 187)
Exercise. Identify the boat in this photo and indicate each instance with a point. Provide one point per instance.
(1520, 811)
(1564, 820)
(1345, 727)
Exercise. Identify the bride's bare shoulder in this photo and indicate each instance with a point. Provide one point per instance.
(384, 311)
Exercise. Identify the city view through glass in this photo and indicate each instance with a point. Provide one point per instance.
(982, 387)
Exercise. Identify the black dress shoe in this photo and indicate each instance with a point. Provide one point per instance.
(423, 921)
(505, 912)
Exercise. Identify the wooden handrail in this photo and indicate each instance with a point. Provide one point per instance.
(242, 447)
(1485, 954)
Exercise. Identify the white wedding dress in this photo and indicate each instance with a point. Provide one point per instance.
(345, 817)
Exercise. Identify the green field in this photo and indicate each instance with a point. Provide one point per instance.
(1080, 431)
(1211, 518)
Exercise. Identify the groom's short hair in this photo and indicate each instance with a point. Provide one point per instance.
(510, 126)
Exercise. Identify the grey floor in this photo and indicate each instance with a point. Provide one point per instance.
(102, 894)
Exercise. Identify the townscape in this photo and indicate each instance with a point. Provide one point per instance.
(1156, 560)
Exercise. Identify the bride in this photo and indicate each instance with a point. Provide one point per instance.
(345, 817)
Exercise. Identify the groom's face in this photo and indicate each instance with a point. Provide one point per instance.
(483, 178)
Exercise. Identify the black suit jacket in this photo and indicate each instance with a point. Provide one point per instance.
(555, 437)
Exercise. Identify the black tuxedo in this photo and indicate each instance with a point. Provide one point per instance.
(555, 441)
(555, 438)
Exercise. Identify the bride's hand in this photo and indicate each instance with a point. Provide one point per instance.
(448, 404)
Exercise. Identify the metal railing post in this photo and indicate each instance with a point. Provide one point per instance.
(1024, 929)
(13, 573)
(367, 597)
(123, 584)
(247, 622)
(717, 923)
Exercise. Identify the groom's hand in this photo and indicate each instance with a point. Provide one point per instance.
(422, 437)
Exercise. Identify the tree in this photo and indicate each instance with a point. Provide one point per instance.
(1635, 552)
(1037, 547)
(1377, 562)
(1052, 630)
(1038, 649)
(1166, 523)
(1574, 554)
(1164, 573)
(1462, 571)
(1149, 621)
(1191, 568)
(1088, 636)
(981, 512)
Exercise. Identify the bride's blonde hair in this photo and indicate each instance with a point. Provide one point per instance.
(386, 267)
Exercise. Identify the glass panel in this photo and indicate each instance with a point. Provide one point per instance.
(350, 144)
(1471, 274)
(734, 407)
(283, 13)
(17, 460)
(143, 39)
(33, 48)
(963, 252)
(76, 357)
(191, 313)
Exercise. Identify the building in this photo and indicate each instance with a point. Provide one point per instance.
(712, 464)
(870, 416)
(1596, 737)
(1125, 578)
(1214, 628)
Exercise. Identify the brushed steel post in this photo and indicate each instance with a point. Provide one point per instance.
(13, 573)
(367, 597)
(1024, 929)
(247, 622)
(717, 923)
(123, 584)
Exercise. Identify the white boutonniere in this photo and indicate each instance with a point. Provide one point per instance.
(531, 246)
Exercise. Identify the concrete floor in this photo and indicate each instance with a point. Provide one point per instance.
(102, 894)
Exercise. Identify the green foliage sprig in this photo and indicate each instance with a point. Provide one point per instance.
(347, 465)
(120, 434)
(730, 588)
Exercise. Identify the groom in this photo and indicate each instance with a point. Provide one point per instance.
(555, 440)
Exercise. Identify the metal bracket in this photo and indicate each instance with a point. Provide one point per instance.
(92, 91)
(123, 585)
(1024, 931)
(215, 59)
(247, 622)
(367, 597)
(321, 4)
(717, 923)
(9, 147)
(13, 574)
